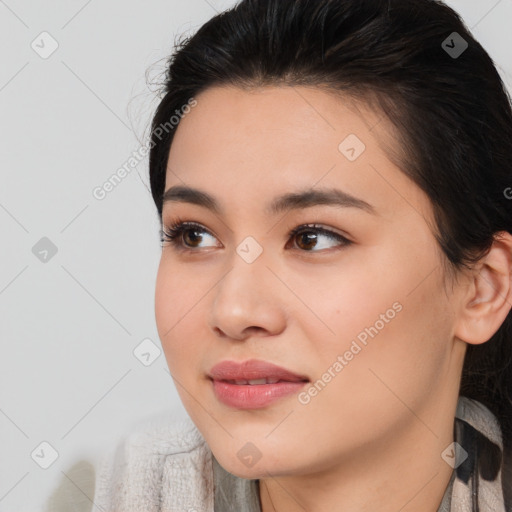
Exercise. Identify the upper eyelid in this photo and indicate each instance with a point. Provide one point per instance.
(314, 226)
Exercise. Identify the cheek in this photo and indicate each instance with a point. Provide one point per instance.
(347, 299)
(178, 293)
(362, 396)
(385, 316)
(177, 301)
(165, 300)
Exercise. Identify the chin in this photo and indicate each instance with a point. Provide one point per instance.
(251, 460)
(236, 467)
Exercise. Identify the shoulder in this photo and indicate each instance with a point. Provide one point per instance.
(480, 463)
(159, 461)
(481, 418)
(162, 434)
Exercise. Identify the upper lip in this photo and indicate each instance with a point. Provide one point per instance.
(253, 369)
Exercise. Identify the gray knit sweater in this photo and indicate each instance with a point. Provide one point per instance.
(166, 466)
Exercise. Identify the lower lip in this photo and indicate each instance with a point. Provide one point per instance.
(245, 396)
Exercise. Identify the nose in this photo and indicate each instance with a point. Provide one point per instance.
(248, 301)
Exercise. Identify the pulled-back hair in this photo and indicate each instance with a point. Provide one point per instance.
(451, 112)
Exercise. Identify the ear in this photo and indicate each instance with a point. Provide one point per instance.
(488, 299)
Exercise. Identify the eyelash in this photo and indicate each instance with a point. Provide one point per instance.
(172, 234)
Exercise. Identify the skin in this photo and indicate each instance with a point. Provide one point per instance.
(372, 438)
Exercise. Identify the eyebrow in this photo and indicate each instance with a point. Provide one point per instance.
(290, 201)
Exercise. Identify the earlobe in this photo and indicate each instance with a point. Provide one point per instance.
(488, 300)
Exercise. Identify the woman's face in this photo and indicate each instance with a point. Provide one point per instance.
(360, 310)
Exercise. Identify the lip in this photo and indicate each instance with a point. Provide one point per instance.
(253, 369)
(253, 396)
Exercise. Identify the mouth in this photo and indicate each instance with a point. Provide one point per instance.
(254, 396)
(253, 372)
(256, 382)
(253, 384)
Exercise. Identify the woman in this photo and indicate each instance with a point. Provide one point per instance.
(334, 291)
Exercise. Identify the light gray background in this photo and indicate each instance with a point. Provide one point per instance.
(69, 326)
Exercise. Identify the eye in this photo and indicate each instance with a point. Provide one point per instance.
(186, 236)
(310, 234)
(179, 232)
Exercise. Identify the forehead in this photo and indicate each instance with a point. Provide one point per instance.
(277, 116)
(272, 140)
